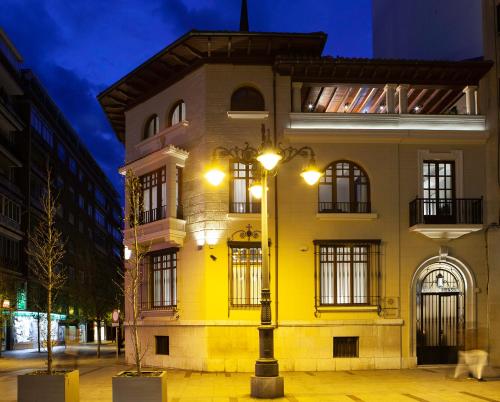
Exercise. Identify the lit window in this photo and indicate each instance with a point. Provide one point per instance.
(348, 272)
(154, 196)
(438, 190)
(164, 279)
(247, 99)
(152, 126)
(242, 200)
(178, 113)
(246, 273)
(344, 188)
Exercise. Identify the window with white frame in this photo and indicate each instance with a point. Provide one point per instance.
(163, 277)
(152, 126)
(347, 272)
(245, 270)
(241, 199)
(154, 196)
(177, 114)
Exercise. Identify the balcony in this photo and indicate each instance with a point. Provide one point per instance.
(395, 128)
(157, 227)
(345, 211)
(447, 218)
(244, 208)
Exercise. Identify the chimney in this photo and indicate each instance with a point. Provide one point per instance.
(244, 17)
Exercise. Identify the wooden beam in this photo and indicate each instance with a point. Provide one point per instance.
(367, 99)
(178, 58)
(429, 102)
(354, 100)
(417, 99)
(378, 100)
(324, 99)
(193, 51)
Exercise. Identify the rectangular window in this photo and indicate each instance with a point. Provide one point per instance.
(9, 252)
(81, 201)
(162, 345)
(438, 188)
(72, 166)
(99, 218)
(99, 197)
(347, 272)
(61, 152)
(163, 277)
(154, 196)
(345, 346)
(41, 128)
(242, 201)
(10, 209)
(245, 271)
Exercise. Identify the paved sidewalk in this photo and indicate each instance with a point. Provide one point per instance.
(422, 384)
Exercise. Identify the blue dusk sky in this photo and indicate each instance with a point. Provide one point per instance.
(80, 47)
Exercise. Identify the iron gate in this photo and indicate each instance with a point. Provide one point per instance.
(440, 328)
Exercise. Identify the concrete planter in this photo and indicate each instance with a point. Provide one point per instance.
(64, 386)
(150, 387)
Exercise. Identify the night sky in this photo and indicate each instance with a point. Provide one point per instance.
(80, 47)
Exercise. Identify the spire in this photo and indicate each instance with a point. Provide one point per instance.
(244, 17)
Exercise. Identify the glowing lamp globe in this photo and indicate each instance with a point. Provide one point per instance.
(269, 159)
(256, 190)
(311, 176)
(215, 176)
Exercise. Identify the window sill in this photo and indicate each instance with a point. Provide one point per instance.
(243, 217)
(254, 115)
(159, 140)
(347, 216)
(353, 308)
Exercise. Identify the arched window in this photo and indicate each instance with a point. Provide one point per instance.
(247, 99)
(152, 126)
(177, 114)
(344, 188)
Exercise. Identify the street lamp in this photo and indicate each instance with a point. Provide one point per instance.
(266, 383)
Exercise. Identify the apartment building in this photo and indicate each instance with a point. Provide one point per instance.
(382, 264)
(34, 135)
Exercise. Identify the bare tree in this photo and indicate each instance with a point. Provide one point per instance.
(46, 248)
(133, 273)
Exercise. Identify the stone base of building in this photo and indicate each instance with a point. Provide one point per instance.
(235, 348)
(267, 387)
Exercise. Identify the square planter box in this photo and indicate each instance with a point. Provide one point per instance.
(61, 387)
(147, 388)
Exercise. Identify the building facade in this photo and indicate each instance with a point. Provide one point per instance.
(89, 212)
(380, 265)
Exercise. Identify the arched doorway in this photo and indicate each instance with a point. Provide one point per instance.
(443, 309)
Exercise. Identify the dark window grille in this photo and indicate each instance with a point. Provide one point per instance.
(162, 345)
(245, 271)
(345, 346)
(178, 192)
(347, 272)
(344, 188)
(162, 278)
(242, 201)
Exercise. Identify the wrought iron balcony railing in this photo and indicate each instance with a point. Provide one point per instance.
(344, 207)
(244, 207)
(158, 305)
(446, 211)
(153, 215)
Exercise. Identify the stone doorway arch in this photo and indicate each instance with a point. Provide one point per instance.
(443, 310)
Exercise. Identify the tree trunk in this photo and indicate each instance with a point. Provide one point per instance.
(49, 331)
(98, 338)
(38, 330)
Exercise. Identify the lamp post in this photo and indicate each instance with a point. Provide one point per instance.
(266, 383)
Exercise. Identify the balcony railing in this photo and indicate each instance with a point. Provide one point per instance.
(244, 208)
(153, 215)
(157, 305)
(344, 207)
(468, 211)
